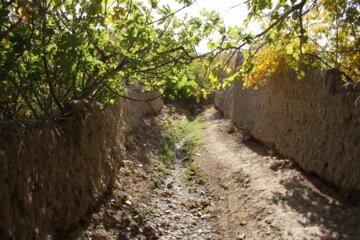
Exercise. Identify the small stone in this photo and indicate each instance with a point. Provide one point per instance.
(275, 166)
(204, 203)
(268, 221)
(166, 194)
(241, 237)
(170, 185)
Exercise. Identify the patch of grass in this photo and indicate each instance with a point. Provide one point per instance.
(166, 158)
(176, 131)
(192, 130)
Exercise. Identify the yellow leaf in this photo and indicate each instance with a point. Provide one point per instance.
(21, 11)
(243, 223)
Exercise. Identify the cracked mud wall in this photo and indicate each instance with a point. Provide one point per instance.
(50, 176)
(315, 121)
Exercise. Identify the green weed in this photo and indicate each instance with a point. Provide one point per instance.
(192, 176)
(165, 159)
(175, 132)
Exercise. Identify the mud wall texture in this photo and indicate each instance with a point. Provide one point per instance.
(51, 175)
(315, 121)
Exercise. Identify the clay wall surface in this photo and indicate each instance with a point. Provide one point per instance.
(315, 121)
(51, 175)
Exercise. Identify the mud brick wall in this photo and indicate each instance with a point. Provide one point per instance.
(315, 121)
(51, 175)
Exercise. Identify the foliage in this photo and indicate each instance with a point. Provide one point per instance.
(274, 60)
(54, 52)
(296, 36)
(302, 35)
(216, 72)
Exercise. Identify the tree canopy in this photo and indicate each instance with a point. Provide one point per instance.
(303, 35)
(54, 52)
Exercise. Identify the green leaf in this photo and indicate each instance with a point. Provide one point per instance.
(290, 49)
(247, 68)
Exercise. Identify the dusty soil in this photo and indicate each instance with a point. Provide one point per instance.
(249, 194)
(264, 197)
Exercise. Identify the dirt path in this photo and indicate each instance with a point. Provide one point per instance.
(260, 197)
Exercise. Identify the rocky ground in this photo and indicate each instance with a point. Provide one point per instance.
(248, 193)
(180, 212)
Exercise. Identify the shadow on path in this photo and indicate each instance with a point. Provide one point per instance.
(321, 206)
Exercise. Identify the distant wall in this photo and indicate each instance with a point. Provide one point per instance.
(315, 121)
(50, 176)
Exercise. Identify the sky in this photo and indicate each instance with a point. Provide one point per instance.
(231, 16)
